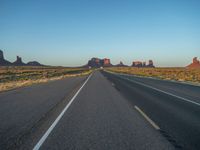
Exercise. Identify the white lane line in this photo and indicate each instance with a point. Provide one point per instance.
(44, 137)
(151, 87)
(112, 84)
(147, 118)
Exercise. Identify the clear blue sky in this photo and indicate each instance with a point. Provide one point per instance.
(69, 32)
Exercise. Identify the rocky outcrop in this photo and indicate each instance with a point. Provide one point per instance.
(195, 63)
(3, 62)
(97, 63)
(34, 63)
(151, 65)
(137, 64)
(19, 62)
(121, 64)
(143, 64)
(106, 62)
(1, 55)
(94, 62)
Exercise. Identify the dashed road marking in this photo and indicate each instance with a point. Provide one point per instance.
(147, 118)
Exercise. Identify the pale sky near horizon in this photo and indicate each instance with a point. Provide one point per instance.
(69, 32)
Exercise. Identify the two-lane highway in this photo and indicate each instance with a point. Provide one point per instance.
(175, 107)
(100, 118)
(102, 111)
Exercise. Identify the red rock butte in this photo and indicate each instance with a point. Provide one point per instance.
(106, 61)
(143, 64)
(195, 63)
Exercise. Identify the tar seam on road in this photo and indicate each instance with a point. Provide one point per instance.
(44, 137)
(179, 97)
(147, 118)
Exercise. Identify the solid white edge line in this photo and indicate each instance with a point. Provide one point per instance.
(147, 118)
(44, 137)
(179, 97)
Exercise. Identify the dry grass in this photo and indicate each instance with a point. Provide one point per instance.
(13, 77)
(178, 74)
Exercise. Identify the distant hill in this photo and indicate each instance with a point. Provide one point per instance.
(194, 64)
(34, 63)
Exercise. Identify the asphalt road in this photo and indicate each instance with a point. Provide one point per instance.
(100, 118)
(175, 107)
(102, 111)
(25, 108)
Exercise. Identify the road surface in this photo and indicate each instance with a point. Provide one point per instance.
(102, 111)
(24, 109)
(175, 107)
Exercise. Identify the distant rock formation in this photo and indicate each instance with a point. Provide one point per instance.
(3, 62)
(19, 62)
(143, 64)
(195, 63)
(97, 63)
(94, 62)
(150, 64)
(137, 64)
(34, 63)
(121, 64)
(1, 55)
(106, 62)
